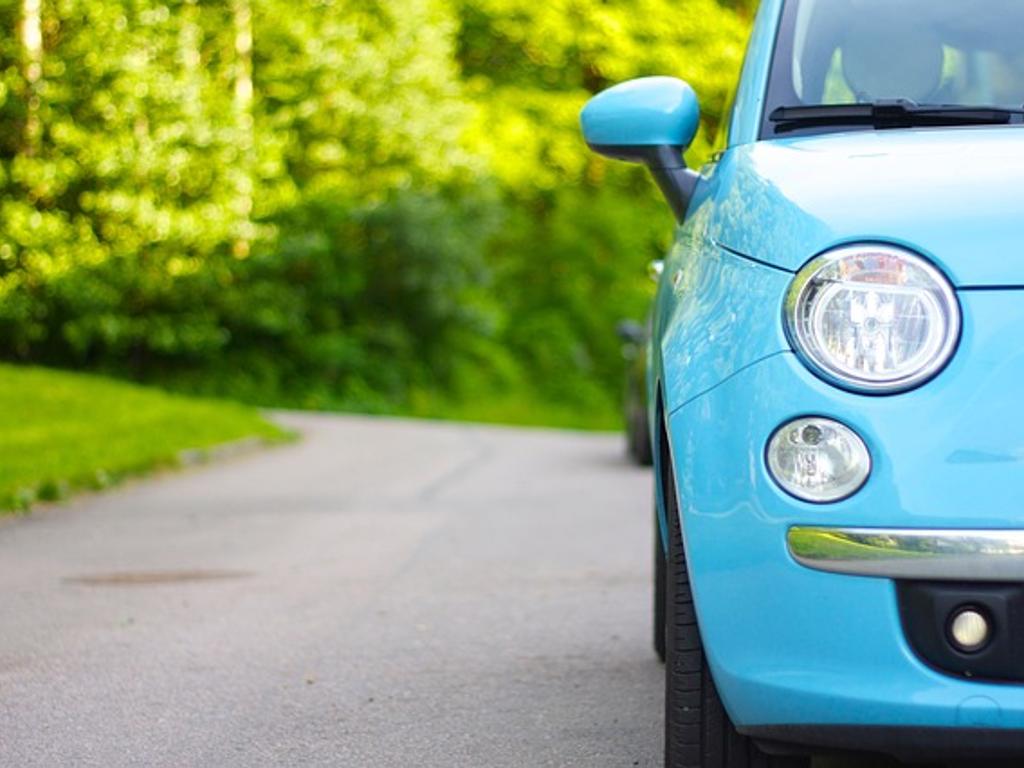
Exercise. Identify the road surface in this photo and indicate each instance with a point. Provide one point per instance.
(383, 593)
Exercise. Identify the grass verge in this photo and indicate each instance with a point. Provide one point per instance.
(518, 411)
(61, 432)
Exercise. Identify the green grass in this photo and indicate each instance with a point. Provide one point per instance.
(520, 411)
(61, 432)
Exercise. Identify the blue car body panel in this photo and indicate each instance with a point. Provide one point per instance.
(784, 201)
(830, 647)
(748, 105)
(788, 645)
(705, 341)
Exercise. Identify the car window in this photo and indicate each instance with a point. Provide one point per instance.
(926, 51)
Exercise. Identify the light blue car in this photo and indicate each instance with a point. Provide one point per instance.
(836, 384)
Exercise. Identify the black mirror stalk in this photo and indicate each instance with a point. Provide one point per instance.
(666, 164)
(677, 185)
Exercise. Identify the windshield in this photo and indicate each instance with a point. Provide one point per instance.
(947, 52)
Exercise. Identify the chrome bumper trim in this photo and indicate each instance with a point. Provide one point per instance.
(894, 553)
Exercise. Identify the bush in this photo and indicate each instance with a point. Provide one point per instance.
(372, 204)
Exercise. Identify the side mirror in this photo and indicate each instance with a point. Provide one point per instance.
(651, 120)
(631, 332)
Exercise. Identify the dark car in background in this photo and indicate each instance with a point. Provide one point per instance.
(634, 337)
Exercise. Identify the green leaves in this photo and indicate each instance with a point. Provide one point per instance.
(369, 203)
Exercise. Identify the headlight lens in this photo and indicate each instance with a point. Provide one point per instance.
(818, 460)
(873, 318)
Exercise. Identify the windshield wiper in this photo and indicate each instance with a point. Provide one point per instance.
(896, 113)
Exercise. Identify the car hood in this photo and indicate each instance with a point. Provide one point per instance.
(953, 195)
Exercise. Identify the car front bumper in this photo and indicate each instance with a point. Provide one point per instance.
(911, 553)
(804, 650)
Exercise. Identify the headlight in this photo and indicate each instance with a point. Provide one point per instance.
(873, 318)
(818, 460)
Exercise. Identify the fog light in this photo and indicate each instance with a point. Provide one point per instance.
(818, 459)
(969, 630)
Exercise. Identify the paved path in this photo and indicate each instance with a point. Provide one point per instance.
(385, 593)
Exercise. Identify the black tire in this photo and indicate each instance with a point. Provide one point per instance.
(659, 592)
(644, 454)
(698, 731)
(638, 437)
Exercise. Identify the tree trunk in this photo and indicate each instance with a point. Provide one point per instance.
(32, 43)
(243, 102)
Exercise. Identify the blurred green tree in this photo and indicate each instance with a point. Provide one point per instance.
(571, 262)
(124, 190)
(377, 204)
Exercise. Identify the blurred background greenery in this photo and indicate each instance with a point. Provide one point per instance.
(371, 205)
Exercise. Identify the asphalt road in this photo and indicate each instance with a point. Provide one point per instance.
(384, 593)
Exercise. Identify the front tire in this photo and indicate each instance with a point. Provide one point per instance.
(698, 731)
(659, 591)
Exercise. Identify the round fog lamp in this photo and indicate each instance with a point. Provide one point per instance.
(969, 630)
(818, 460)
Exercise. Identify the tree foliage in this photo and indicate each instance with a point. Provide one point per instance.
(358, 203)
